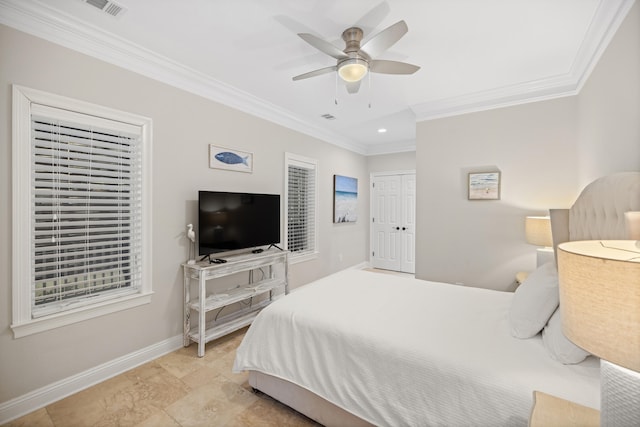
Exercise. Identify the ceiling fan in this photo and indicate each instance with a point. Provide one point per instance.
(354, 62)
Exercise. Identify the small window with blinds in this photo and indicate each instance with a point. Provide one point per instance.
(86, 210)
(300, 191)
(81, 211)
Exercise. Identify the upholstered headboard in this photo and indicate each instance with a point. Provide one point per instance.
(599, 211)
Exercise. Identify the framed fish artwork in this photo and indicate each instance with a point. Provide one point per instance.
(229, 159)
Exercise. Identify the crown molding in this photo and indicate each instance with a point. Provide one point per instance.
(41, 20)
(604, 25)
(38, 19)
(506, 96)
(391, 147)
(607, 19)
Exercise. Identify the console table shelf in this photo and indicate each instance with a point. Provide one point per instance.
(220, 300)
(203, 303)
(227, 324)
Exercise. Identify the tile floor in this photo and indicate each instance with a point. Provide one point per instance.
(178, 389)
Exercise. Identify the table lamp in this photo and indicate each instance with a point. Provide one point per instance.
(632, 225)
(537, 231)
(600, 309)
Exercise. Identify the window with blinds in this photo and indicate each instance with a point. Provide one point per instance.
(86, 205)
(81, 211)
(301, 205)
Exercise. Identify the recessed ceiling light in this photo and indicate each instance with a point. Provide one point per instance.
(382, 130)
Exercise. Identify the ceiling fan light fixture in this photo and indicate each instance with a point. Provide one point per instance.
(353, 69)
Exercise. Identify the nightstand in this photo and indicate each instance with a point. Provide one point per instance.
(551, 411)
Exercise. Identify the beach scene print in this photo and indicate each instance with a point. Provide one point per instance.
(345, 199)
(484, 186)
(225, 158)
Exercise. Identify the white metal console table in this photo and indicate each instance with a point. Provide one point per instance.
(203, 271)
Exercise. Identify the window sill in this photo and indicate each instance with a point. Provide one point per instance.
(80, 314)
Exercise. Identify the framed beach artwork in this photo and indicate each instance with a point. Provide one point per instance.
(484, 186)
(229, 159)
(345, 199)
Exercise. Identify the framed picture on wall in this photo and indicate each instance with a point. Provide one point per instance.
(230, 159)
(484, 185)
(345, 199)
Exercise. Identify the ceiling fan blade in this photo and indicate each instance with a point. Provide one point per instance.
(383, 66)
(385, 39)
(374, 17)
(314, 73)
(323, 46)
(353, 87)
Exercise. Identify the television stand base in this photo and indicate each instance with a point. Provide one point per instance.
(255, 295)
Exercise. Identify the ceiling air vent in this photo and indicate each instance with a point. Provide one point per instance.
(328, 116)
(107, 6)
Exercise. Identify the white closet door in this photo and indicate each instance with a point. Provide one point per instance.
(393, 222)
(408, 227)
(385, 223)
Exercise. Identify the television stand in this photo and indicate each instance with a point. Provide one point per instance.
(204, 302)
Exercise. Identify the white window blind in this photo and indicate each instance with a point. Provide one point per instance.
(86, 210)
(301, 207)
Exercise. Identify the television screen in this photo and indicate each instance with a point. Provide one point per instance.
(230, 221)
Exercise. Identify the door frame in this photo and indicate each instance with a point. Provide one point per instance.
(372, 176)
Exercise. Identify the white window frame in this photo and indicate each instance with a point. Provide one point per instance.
(292, 159)
(23, 323)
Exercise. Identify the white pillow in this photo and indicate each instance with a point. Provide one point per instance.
(558, 345)
(534, 302)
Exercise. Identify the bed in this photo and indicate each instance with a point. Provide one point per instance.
(364, 348)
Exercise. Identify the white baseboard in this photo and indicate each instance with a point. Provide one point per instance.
(361, 266)
(43, 396)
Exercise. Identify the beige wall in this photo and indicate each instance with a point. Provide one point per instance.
(392, 162)
(547, 152)
(183, 126)
(481, 243)
(610, 107)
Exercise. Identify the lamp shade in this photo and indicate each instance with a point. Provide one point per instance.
(600, 298)
(537, 230)
(632, 225)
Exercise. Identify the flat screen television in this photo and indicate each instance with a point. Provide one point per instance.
(231, 221)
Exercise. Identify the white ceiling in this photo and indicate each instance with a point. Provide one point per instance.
(474, 54)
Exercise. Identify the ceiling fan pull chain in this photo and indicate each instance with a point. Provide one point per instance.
(335, 98)
(369, 90)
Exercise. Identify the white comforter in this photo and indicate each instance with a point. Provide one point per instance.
(399, 351)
